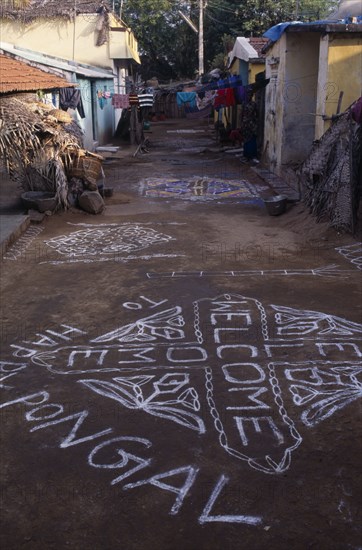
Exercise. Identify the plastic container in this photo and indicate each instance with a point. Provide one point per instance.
(276, 205)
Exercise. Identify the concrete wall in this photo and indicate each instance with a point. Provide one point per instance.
(104, 112)
(274, 104)
(308, 71)
(299, 95)
(86, 123)
(73, 40)
(76, 41)
(340, 71)
(254, 69)
(290, 98)
(345, 69)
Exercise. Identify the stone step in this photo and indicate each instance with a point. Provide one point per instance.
(280, 186)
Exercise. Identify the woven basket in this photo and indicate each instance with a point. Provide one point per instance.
(86, 166)
(61, 116)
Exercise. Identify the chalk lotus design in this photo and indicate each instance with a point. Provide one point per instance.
(267, 372)
(166, 399)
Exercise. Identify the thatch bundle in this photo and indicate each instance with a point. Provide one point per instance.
(38, 150)
(28, 10)
(330, 175)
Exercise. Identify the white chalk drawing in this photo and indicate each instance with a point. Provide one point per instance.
(216, 370)
(139, 305)
(125, 224)
(169, 397)
(332, 271)
(125, 457)
(102, 240)
(181, 492)
(166, 325)
(18, 250)
(321, 388)
(8, 369)
(353, 253)
(115, 259)
(256, 408)
(303, 323)
(206, 516)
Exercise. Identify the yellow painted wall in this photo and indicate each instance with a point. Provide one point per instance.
(311, 73)
(254, 69)
(72, 40)
(235, 67)
(344, 73)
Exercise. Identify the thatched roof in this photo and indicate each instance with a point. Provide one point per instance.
(16, 76)
(36, 148)
(33, 9)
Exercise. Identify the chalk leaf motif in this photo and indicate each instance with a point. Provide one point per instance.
(322, 397)
(128, 392)
(292, 322)
(166, 325)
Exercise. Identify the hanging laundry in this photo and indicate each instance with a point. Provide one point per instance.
(230, 82)
(145, 99)
(133, 100)
(70, 98)
(224, 98)
(101, 100)
(186, 97)
(204, 99)
(222, 84)
(234, 81)
(241, 94)
(210, 95)
(120, 101)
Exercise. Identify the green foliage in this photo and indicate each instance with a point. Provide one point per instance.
(168, 46)
(254, 17)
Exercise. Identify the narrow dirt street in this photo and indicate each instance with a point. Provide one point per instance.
(182, 371)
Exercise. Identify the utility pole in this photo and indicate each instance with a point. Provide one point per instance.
(201, 37)
(200, 31)
(297, 10)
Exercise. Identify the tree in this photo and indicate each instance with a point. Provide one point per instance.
(168, 47)
(254, 17)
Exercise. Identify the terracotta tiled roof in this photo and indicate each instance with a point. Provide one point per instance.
(16, 76)
(258, 44)
(32, 9)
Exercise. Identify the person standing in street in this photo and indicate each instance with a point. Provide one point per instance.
(249, 127)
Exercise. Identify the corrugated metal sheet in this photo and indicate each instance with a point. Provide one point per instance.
(16, 76)
(56, 63)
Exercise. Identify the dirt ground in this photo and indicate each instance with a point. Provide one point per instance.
(182, 371)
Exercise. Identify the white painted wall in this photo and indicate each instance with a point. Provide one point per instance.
(274, 105)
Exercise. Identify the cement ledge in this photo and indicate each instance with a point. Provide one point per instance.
(11, 228)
